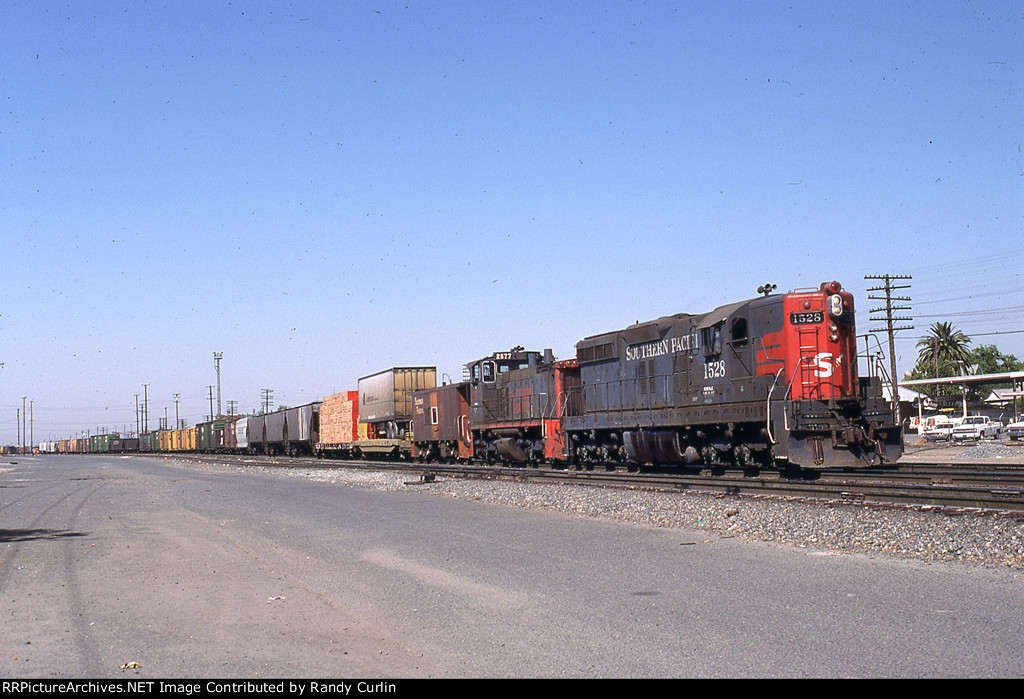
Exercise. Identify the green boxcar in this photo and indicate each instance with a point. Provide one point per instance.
(208, 435)
(100, 443)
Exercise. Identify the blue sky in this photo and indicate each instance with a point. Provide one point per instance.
(324, 190)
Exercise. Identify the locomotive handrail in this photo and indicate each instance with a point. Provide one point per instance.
(789, 388)
(764, 348)
(570, 393)
(562, 401)
(877, 368)
(867, 355)
(768, 406)
(796, 372)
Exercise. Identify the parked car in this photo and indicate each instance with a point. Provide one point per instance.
(938, 428)
(976, 427)
(1015, 430)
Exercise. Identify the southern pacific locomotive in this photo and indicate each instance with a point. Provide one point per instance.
(771, 381)
(768, 381)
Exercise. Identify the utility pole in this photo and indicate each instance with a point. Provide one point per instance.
(890, 320)
(138, 426)
(17, 421)
(232, 404)
(211, 403)
(145, 415)
(217, 356)
(24, 434)
(268, 398)
(31, 425)
(177, 422)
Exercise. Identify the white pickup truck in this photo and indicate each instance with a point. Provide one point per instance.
(975, 427)
(1015, 430)
(937, 428)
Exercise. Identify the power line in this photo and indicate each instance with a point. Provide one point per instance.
(973, 335)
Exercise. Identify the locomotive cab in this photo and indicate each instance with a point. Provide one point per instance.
(517, 400)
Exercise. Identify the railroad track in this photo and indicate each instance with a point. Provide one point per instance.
(955, 488)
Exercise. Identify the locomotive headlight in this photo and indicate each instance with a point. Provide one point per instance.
(835, 305)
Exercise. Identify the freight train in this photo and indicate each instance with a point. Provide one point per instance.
(769, 381)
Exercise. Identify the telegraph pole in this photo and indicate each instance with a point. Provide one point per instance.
(268, 398)
(145, 402)
(232, 404)
(891, 320)
(177, 422)
(138, 427)
(211, 403)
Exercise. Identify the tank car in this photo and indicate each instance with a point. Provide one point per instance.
(767, 381)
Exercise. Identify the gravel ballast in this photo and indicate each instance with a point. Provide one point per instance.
(969, 537)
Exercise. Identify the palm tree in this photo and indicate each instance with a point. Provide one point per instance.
(944, 347)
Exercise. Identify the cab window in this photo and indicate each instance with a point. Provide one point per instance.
(738, 332)
(712, 339)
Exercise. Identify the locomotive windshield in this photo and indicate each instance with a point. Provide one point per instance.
(488, 370)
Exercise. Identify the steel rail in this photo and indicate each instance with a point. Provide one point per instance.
(953, 488)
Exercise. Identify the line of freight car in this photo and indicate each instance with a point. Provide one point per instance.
(93, 444)
(769, 381)
(372, 421)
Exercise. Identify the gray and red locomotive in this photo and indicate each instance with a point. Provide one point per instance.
(771, 381)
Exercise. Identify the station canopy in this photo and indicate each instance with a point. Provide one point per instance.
(1015, 378)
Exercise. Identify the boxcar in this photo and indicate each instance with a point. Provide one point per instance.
(385, 408)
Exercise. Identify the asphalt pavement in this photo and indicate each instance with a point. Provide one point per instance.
(107, 562)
